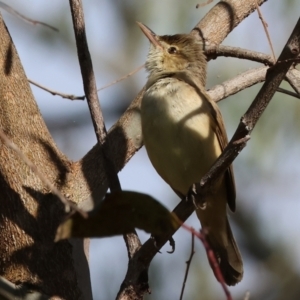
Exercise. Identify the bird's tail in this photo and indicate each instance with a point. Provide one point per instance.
(220, 238)
(229, 257)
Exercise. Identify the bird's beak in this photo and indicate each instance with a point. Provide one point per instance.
(152, 37)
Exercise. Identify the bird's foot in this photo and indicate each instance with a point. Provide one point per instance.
(171, 241)
(196, 197)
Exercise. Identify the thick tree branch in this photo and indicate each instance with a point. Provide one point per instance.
(223, 18)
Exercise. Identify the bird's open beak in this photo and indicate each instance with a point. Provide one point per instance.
(152, 37)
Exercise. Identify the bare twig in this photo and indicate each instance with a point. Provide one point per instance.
(122, 78)
(284, 91)
(54, 93)
(293, 78)
(22, 17)
(213, 51)
(265, 25)
(188, 264)
(211, 257)
(73, 97)
(204, 3)
(10, 144)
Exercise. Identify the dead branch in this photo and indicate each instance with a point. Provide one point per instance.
(188, 264)
(265, 26)
(55, 93)
(12, 11)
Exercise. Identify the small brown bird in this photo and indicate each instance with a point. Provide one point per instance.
(184, 134)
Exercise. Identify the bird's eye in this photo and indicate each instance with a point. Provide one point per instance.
(172, 50)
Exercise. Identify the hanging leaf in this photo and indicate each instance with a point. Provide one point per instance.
(120, 213)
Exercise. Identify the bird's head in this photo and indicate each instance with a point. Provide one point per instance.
(174, 53)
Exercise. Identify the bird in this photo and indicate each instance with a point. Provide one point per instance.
(184, 134)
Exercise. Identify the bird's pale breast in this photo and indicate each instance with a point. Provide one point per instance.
(178, 132)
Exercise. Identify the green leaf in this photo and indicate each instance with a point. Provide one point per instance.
(120, 213)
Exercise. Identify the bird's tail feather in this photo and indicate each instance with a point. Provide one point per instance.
(229, 257)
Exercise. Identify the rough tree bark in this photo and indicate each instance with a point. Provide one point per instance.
(29, 212)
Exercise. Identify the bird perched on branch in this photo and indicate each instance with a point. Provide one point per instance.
(184, 134)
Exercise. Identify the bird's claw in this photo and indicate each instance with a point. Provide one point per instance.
(172, 244)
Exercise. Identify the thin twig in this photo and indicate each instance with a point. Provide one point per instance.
(188, 264)
(265, 25)
(204, 3)
(122, 78)
(293, 78)
(55, 93)
(284, 91)
(10, 144)
(211, 257)
(22, 17)
(73, 97)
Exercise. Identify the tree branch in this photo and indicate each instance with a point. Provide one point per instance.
(293, 78)
(213, 51)
(131, 239)
(90, 89)
(54, 93)
(188, 264)
(238, 83)
(230, 12)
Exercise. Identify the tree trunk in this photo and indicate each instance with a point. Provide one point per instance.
(29, 212)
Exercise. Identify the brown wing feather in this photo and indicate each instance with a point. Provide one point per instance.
(220, 131)
(222, 137)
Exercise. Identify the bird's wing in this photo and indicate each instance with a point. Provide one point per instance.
(219, 128)
(222, 137)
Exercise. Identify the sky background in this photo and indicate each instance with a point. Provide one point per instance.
(267, 171)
